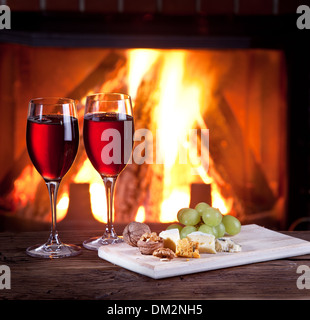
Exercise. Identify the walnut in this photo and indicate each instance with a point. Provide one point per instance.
(133, 232)
(164, 253)
(150, 242)
(150, 236)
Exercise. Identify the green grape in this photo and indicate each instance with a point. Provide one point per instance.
(207, 229)
(179, 213)
(201, 207)
(212, 217)
(232, 224)
(220, 230)
(188, 216)
(174, 226)
(187, 230)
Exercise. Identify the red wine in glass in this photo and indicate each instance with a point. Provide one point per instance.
(52, 141)
(108, 139)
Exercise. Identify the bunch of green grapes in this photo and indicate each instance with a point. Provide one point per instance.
(206, 219)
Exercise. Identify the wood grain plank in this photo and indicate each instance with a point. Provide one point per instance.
(88, 277)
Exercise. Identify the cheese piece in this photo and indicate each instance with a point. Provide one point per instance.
(188, 249)
(226, 245)
(171, 238)
(206, 241)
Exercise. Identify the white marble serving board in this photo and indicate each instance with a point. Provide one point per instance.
(258, 244)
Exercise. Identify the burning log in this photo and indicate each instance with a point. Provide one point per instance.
(233, 161)
(141, 184)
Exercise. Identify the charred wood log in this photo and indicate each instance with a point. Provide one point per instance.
(233, 161)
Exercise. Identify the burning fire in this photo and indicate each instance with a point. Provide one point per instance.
(62, 206)
(87, 174)
(22, 193)
(140, 60)
(140, 217)
(177, 112)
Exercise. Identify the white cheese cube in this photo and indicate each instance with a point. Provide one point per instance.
(171, 238)
(206, 241)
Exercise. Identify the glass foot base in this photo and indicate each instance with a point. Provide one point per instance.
(96, 242)
(53, 251)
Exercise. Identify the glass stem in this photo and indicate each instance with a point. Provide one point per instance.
(109, 183)
(52, 187)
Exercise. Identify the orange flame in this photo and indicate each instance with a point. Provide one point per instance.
(178, 111)
(23, 194)
(140, 61)
(62, 206)
(224, 205)
(180, 100)
(140, 217)
(87, 174)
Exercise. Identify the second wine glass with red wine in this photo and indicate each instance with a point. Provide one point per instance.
(108, 140)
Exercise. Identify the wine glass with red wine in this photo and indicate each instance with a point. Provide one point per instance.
(108, 139)
(52, 143)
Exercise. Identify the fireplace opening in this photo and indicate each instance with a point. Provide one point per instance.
(238, 95)
(241, 76)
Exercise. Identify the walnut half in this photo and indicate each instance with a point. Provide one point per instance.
(150, 242)
(164, 253)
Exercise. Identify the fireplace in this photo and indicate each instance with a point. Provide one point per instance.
(186, 73)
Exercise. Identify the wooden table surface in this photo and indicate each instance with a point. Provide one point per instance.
(88, 277)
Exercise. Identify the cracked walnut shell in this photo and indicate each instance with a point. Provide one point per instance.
(150, 242)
